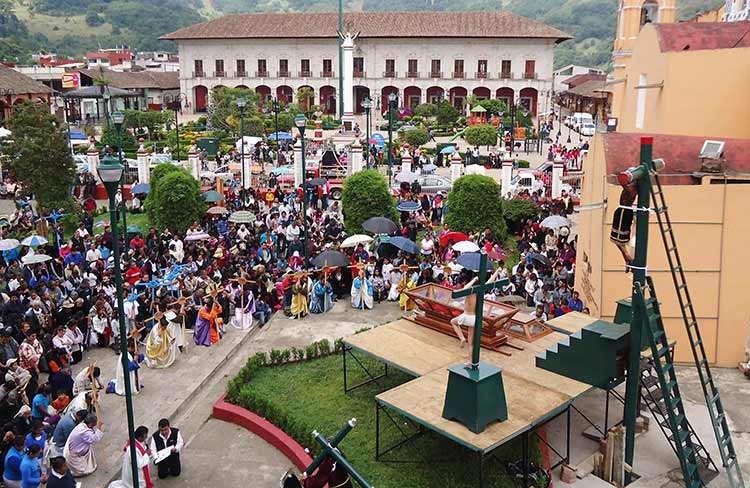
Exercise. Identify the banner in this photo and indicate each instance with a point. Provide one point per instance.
(70, 80)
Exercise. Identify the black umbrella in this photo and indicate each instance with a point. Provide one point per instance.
(380, 225)
(331, 258)
(539, 258)
(470, 261)
(317, 182)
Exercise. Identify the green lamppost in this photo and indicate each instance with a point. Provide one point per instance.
(110, 172)
(301, 122)
(276, 108)
(367, 105)
(392, 100)
(241, 103)
(118, 118)
(177, 106)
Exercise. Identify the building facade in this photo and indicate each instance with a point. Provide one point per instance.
(488, 55)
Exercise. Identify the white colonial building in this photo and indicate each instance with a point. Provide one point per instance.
(422, 57)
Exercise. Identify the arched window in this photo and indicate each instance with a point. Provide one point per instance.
(649, 12)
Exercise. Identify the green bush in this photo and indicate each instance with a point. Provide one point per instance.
(416, 137)
(518, 210)
(366, 195)
(481, 135)
(475, 203)
(522, 163)
(175, 200)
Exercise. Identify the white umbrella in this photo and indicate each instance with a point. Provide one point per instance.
(198, 236)
(36, 258)
(554, 221)
(34, 240)
(4, 132)
(356, 239)
(8, 244)
(250, 142)
(465, 246)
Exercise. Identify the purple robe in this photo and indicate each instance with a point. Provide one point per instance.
(202, 333)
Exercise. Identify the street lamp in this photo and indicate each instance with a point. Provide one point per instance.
(367, 105)
(118, 118)
(392, 100)
(301, 122)
(177, 106)
(110, 172)
(276, 108)
(241, 103)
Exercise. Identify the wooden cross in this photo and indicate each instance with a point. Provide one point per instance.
(479, 289)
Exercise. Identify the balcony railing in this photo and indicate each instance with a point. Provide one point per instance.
(481, 74)
(240, 74)
(412, 74)
(436, 74)
(389, 74)
(360, 74)
(220, 74)
(261, 74)
(459, 74)
(530, 76)
(283, 73)
(199, 74)
(305, 74)
(506, 75)
(326, 74)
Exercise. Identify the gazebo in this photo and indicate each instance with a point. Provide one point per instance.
(478, 115)
(96, 92)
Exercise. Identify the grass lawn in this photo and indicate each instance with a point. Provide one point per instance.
(309, 395)
(140, 219)
(55, 28)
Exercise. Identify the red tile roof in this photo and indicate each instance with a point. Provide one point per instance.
(680, 153)
(696, 36)
(371, 24)
(576, 80)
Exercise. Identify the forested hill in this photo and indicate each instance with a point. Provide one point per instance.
(72, 27)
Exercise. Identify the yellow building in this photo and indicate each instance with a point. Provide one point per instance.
(708, 205)
(689, 78)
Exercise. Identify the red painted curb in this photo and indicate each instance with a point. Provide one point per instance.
(264, 429)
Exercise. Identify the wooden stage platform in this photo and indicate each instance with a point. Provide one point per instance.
(533, 395)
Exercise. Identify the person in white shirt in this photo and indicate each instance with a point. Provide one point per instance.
(167, 438)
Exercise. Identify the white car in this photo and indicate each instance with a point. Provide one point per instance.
(587, 129)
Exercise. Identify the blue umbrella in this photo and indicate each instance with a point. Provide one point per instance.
(404, 244)
(280, 136)
(140, 188)
(470, 261)
(408, 206)
(448, 150)
(34, 240)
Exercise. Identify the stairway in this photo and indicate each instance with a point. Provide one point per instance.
(595, 355)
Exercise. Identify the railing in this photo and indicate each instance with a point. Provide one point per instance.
(481, 74)
(436, 74)
(459, 74)
(412, 74)
(506, 75)
(220, 74)
(326, 74)
(240, 74)
(282, 73)
(389, 74)
(530, 76)
(305, 74)
(199, 74)
(261, 74)
(360, 74)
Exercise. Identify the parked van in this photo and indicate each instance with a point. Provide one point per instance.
(580, 118)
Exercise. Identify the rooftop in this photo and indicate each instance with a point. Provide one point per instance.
(680, 153)
(697, 36)
(129, 80)
(14, 83)
(590, 89)
(371, 24)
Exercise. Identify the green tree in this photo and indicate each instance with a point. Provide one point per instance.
(517, 210)
(416, 137)
(226, 112)
(176, 200)
(446, 113)
(158, 174)
(426, 110)
(366, 195)
(254, 126)
(150, 121)
(493, 106)
(481, 135)
(475, 203)
(38, 153)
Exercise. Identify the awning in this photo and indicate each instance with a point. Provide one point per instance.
(98, 92)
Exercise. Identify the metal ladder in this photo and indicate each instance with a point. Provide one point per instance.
(661, 353)
(652, 398)
(710, 390)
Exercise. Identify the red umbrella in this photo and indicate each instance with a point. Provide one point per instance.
(496, 255)
(453, 236)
